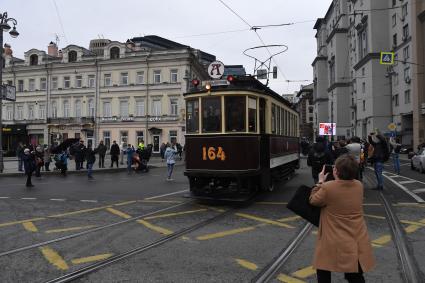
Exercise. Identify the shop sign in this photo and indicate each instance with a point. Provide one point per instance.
(154, 119)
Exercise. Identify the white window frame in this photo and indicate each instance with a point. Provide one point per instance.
(92, 82)
(54, 107)
(19, 112)
(140, 77)
(124, 108)
(174, 107)
(31, 112)
(78, 108)
(66, 107)
(9, 112)
(174, 76)
(107, 79)
(66, 82)
(43, 83)
(41, 111)
(140, 108)
(79, 81)
(157, 76)
(90, 108)
(31, 84)
(124, 78)
(156, 107)
(54, 83)
(20, 85)
(107, 109)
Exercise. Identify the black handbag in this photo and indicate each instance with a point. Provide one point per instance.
(301, 206)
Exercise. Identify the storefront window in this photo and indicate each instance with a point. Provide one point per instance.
(252, 115)
(192, 116)
(139, 137)
(235, 113)
(211, 115)
(173, 137)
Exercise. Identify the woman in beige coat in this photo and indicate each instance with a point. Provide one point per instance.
(343, 243)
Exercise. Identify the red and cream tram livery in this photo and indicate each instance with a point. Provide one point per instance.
(241, 137)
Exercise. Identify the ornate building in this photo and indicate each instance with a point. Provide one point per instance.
(126, 92)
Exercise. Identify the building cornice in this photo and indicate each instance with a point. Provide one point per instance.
(336, 85)
(319, 58)
(320, 100)
(367, 58)
(335, 31)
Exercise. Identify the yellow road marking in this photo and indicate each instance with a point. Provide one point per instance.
(21, 221)
(287, 279)
(264, 220)
(80, 211)
(160, 201)
(314, 232)
(119, 213)
(412, 228)
(29, 226)
(90, 258)
(125, 203)
(412, 222)
(225, 233)
(54, 258)
(211, 208)
(174, 214)
(155, 228)
(247, 264)
(288, 219)
(305, 272)
(271, 203)
(375, 216)
(382, 240)
(69, 229)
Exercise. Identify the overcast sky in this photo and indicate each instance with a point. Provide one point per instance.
(79, 21)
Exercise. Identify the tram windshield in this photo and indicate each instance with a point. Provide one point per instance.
(211, 115)
(235, 113)
(192, 116)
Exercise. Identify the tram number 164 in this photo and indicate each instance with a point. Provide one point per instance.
(213, 153)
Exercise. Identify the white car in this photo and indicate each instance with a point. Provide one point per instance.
(418, 161)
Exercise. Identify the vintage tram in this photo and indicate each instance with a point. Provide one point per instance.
(240, 138)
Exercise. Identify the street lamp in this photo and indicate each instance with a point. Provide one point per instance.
(4, 26)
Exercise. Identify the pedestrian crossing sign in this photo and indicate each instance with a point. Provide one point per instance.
(387, 58)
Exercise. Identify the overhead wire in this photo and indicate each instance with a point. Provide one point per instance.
(60, 21)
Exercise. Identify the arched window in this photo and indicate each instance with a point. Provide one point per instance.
(78, 108)
(33, 60)
(91, 108)
(72, 56)
(115, 52)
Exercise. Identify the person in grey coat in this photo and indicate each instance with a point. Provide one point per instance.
(101, 149)
(170, 156)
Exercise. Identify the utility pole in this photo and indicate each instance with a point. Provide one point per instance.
(4, 26)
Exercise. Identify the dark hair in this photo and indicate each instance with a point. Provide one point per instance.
(355, 139)
(347, 167)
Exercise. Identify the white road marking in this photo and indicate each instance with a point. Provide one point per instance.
(419, 191)
(406, 190)
(170, 194)
(407, 182)
(407, 178)
(4, 197)
(88, 200)
(58, 199)
(28, 198)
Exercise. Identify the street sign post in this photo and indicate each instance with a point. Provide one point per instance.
(387, 58)
(392, 127)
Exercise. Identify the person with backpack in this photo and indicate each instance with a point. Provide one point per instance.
(29, 165)
(318, 157)
(169, 155)
(380, 155)
(395, 147)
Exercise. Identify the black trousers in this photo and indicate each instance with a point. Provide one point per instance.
(101, 160)
(114, 158)
(29, 180)
(324, 276)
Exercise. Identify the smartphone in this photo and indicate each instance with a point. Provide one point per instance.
(329, 169)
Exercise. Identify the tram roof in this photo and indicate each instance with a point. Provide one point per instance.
(243, 83)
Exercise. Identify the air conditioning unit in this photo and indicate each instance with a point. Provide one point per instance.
(407, 80)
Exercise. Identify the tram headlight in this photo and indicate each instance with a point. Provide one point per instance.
(208, 87)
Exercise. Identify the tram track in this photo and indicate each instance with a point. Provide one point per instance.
(83, 233)
(409, 270)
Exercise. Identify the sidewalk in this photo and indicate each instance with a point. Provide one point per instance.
(11, 166)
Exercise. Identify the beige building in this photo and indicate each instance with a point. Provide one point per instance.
(126, 92)
(351, 87)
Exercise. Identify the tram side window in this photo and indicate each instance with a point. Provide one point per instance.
(211, 115)
(278, 121)
(282, 122)
(235, 113)
(192, 116)
(273, 119)
(252, 115)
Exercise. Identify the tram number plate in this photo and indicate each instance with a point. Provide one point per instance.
(212, 153)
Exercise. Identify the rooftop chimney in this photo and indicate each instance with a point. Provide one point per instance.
(52, 49)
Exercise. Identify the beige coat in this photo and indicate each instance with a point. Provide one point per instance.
(342, 240)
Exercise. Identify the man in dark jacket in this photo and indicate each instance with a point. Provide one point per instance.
(101, 149)
(317, 157)
(90, 156)
(79, 155)
(20, 155)
(380, 155)
(115, 152)
(29, 166)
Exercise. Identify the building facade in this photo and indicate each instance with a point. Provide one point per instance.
(126, 92)
(305, 108)
(361, 94)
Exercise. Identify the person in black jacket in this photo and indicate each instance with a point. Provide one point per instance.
(90, 156)
(79, 155)
(29, 166)
(317, 157)
(101, 149)
(115, 153)
(380, 155)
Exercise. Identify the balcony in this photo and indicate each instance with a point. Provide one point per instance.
(71, 120)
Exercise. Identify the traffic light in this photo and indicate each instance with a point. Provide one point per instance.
(275, 72)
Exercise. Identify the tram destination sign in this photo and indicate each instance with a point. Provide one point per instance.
(8, 92)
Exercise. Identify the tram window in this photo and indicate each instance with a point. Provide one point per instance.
(235, 113)
(252, 115)
(192, 116)
(273, 119)
(278, 121)
(262, 115)
(282, 122)
(211, 115)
